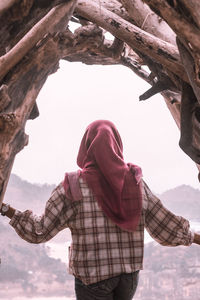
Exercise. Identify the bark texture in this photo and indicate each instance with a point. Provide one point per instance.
(161, 34)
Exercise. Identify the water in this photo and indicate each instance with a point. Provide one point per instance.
(195, 226)
(59, 250)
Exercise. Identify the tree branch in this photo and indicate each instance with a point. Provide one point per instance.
(187, 139)
(23, 85)
(48, 24)
(181, 27)
(144, 18)
(161, 51)
(188, 63)
(5, 5)
(29, 76)
(193, 7)
(4, 97)
(158, 87)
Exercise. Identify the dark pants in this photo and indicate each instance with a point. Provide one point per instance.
(121, 287)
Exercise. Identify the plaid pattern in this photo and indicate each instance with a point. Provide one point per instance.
(100, 249)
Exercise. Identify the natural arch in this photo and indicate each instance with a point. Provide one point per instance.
(163, 35)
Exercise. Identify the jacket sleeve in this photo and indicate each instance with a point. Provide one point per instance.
(39, 229)
(163, 226)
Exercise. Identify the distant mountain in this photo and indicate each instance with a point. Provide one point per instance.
(24, 195)
(183, 200)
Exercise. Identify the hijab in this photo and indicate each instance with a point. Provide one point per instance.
(115, 184)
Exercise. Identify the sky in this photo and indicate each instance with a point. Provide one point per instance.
(78, 94)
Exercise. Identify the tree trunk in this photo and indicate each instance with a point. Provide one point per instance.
(22, 78)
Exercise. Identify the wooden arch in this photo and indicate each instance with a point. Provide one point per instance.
(161, 34)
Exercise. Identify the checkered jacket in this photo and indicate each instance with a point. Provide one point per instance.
(99, 249)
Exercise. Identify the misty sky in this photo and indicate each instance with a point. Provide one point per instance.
(77, 95)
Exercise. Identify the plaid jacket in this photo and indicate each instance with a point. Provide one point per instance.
(99, 248)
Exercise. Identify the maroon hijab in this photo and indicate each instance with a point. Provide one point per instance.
(115, 184)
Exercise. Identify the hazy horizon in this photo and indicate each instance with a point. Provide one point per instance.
(78, 94)
(52, 183)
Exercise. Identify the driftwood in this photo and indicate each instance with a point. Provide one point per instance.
(190, 111)
(35, 37)
(21, 87)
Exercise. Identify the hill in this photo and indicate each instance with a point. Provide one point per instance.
(24, 195)
(183, 200)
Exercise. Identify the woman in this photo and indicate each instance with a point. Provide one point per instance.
(106, 205)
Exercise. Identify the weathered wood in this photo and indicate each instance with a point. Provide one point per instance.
(173, 103)
(193, 8)
(5, 5)
(147, 20)
(188, 142)
(158, 87)
(21, 87)
(12, 137)
(159, 50)
(4, 97)
(18, 20)
(48, 24)
(182, 27)
(189, 63)
(34, 38)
